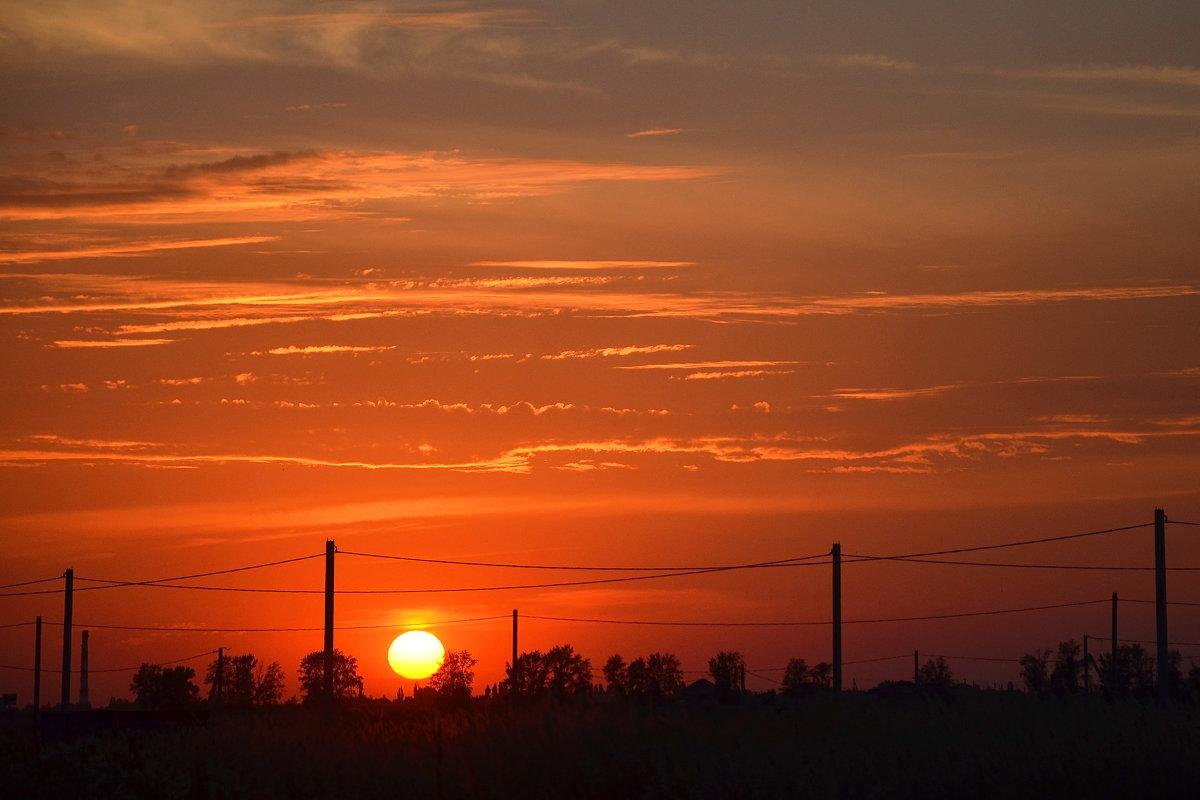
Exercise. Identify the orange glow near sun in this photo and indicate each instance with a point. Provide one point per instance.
(416, 654)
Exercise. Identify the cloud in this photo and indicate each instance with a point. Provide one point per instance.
(710, 365)
(873, 61)
(654, 132)
(583, 265)
(107, 343)
(128, 249)
(134, 184)
(608, 352)
(293, 350)
(347, 36)
(1166, 75)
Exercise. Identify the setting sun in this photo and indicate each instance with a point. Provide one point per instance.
(416, 654)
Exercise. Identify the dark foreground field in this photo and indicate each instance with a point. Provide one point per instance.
(986, 745)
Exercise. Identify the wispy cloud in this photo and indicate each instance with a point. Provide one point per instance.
(654, 132)
(107, 343)
(1167, 75)
(135, 184)
(608, 352)
(321, 349)
(872, 61)
(710, 365)
(127, 249)
(583, 265)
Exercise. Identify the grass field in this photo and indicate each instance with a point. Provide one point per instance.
(989, 744)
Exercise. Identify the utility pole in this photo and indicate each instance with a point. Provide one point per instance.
(837, 620)
(916, 667)
(1160, 603)
(330, 549)
(218, 687)
(1087, 674)
(66, 659)
(513, 676)
(37, 671)
(83, 671)
(1115, 667)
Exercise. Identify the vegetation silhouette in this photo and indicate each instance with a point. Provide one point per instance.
(347, 683)
(728, 672)
(160, 688)
(655, 678)
(559, 673)
(246, 682)
(453, 681)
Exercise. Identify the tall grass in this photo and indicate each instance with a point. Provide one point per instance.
(987, 745)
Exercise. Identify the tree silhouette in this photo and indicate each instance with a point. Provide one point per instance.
(1033, 671)
(455, 676)
(727, 670)
(821, 675)
(346, 681)
(164, 689)
(935, 675)
(247, 682)
(795, 677)
(1068, 668)
(658, 676)
(559, 673)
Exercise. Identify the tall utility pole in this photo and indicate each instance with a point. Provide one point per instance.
(1087, 672)
(1160, 602)
(513, 675)
(330, 549)
(837, 620)
(1115, 667)
(66, 659)
(37, 670)
(84, 702)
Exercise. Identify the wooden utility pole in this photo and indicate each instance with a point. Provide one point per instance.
(66, 659)
(330, 549)
(37, 670)
(1115, 666)
(84, 702)
(513, 676)
(1160, 603)
(1087, 673)
(837, 620)
(218, 686)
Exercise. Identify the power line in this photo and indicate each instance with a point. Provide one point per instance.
(1181, 522)
(1023, 543)
(675, 624)
(782, 562)
(814, 622)
(442, 590)
(1144, 641)
(874, 660)
(1169, 602)
(117, 669)
(31, 583)
(170, 629)
(857, 558)
(977, 658)
(114, 584)
(975, 613)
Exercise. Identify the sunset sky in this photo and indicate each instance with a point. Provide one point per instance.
(622, 284)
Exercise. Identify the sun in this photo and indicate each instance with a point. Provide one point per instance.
(416, 654)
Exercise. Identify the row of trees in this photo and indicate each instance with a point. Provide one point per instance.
(1060, 672)
(242, 681)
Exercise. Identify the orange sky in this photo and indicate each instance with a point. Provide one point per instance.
(591, 284)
